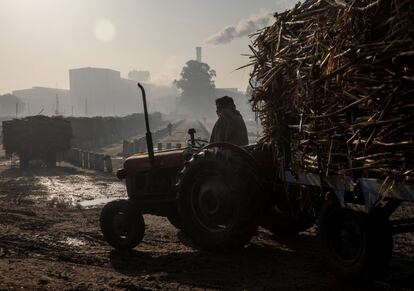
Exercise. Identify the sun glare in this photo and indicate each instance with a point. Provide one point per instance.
(104, 30)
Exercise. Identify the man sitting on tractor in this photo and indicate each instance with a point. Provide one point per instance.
(230, 126)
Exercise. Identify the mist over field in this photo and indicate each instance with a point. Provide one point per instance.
(76, 58)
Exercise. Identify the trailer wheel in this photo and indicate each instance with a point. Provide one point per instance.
(122, 224)
(218, 200)
(356, 244)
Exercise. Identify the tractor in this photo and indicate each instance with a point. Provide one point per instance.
(219, 194)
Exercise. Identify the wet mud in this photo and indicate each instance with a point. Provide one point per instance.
(48, 240)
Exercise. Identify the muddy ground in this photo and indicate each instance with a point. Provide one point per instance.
(48, 240)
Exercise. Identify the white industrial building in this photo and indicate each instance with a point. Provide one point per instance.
(46, 101)
(98, 91)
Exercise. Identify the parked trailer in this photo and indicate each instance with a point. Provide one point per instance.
(37, 137)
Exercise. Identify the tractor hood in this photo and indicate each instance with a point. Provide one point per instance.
(163, 159)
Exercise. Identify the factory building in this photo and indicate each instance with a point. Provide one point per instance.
(46, 101)
(103, 92)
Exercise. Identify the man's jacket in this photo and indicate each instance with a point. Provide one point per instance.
(230, 127)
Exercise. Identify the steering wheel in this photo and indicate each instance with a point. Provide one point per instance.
(197, 143)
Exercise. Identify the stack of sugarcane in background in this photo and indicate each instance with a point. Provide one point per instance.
(44, 138)
(37, 137)
(334, 86)
(90, 132)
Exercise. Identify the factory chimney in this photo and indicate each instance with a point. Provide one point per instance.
(198, 52)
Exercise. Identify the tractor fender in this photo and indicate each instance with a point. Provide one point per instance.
(242, 152)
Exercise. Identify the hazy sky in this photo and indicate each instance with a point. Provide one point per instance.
(42, 39)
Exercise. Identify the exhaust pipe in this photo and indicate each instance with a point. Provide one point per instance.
(148, 135)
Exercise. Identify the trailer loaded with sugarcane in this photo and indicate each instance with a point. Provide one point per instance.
(333, 85)
(37, 138)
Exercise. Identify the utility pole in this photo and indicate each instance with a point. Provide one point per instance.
(86, 106)
(57, 105)
(17, 108)
(72, 110)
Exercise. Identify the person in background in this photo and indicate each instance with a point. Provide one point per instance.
(230, 126)
(169, 126)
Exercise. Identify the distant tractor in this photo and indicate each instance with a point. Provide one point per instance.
(219, 194)
(36, 138)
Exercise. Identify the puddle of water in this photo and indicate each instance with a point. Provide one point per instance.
(55, 241)
(96, 202)
(62, 188)
(82, 190)
(5, 163)
(73, 242)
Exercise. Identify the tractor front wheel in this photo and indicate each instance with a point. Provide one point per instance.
(122, 224)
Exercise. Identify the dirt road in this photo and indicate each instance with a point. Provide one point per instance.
(49, 241)
(180, 134)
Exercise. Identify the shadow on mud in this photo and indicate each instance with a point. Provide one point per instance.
(262, 267)
(256, 267)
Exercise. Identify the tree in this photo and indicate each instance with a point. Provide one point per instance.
(197, 89)
(8, 105)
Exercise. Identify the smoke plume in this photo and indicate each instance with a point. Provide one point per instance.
(244, 27)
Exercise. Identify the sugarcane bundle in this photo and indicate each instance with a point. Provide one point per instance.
(333, 81)
(36, 136)
(96, 131)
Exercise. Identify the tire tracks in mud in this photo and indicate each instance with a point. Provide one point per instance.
(55, 248)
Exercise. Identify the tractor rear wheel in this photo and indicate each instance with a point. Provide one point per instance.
(356, 244)
(122, 224)
(219, 202)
